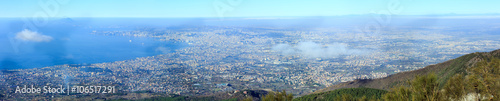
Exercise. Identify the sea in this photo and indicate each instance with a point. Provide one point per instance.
(73, 42)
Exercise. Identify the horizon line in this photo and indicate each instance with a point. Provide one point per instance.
(371, 14)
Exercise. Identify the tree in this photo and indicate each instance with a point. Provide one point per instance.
(454, 88)
(484, 79)
(345, 97)
(425, 88)
(248, 99)
(398, 94)
(363, 99)
(422, 88)
(278, 96)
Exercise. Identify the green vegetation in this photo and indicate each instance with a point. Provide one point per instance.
(482, 82)
(458, 66)
(344, 94)
(423, 88)
(474, 76)
(444, 71)
(278, 96)
(455, 87)
(232, 99)
(400, 93)
(248, 99)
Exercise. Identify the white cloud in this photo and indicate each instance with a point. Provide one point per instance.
(28, 35)
(164, 50)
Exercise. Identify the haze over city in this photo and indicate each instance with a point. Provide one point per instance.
(234, 49)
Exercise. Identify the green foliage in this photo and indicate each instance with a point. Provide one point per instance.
(425, 88)
(278, 96)
(269, 97)
(363, 99)
(248, 99)
(483, 80)
(398, 94)
(455, 88)
(458, 66)
(345, 97)
(233, 99)
(347, 93)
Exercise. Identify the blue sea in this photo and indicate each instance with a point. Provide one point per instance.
(72, 43)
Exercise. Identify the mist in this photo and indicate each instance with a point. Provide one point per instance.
(314, 50)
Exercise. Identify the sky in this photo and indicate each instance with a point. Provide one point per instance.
(240, 8)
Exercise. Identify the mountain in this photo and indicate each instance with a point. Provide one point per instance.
(443, 71)
(255, 95)
(367, 93)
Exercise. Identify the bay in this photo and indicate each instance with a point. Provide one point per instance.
(75, 45)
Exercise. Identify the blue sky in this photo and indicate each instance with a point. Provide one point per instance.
(241, 8)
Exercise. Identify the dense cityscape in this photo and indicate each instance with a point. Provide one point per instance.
(227, 59)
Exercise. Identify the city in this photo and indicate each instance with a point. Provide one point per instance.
(226, 59)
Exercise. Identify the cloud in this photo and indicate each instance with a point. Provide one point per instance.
(28, 35)
(164, 50)
(285, 49)
(314, 50)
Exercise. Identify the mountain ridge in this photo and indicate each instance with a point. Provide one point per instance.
(443, 70)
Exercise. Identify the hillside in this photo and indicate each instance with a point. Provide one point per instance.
(368, 93)
(443, 70)
(223, 96)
